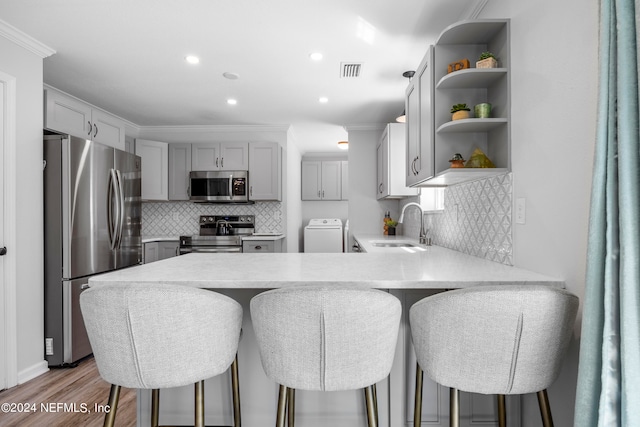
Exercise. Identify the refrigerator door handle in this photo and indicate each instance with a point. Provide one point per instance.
(121, 208)
(113, 223)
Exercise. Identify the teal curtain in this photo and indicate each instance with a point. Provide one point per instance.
(608, 390)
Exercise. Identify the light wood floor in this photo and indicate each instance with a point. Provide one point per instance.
(78, 388)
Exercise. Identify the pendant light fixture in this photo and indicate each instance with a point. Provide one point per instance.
(403, 117)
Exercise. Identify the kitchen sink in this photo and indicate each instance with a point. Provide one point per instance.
(388, 244)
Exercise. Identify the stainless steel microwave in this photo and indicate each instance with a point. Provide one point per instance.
(219, 186)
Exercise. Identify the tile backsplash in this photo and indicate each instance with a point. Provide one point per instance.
(476, 219)
(181, 218)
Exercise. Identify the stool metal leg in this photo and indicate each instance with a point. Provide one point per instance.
(114, 396)
(454, 407)
(199, 407)
(155, 407)
(502, 411)
(375, 401)
(291, 407)
(372, 416)
(282, 406)
(545, 409)
(417, 408)
(235, 385)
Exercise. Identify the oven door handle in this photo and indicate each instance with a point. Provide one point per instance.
(211, 250)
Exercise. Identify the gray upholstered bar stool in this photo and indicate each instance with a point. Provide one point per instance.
(153, 336)
(492, 340)
(325, 338)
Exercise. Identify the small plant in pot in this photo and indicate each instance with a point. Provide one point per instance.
(391, 227)
(487, 60)
(460, 111)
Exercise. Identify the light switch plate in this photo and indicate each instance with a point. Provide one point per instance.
(521, 211)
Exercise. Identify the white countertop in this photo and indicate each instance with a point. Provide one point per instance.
(434, 268)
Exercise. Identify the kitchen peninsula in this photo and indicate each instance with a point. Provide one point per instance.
(409, 276)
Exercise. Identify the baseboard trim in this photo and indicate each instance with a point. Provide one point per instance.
(33, 372)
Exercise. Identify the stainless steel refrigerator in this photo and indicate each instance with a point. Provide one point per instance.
(92, 213)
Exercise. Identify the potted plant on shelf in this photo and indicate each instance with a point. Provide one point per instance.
(487, 60)
(460, 111)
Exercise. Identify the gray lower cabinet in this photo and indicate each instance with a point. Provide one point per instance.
(155, 251)
(257, 246)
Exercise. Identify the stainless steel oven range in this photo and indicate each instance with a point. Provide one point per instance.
(219, 233)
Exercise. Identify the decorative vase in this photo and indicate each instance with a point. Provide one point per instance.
(462, 114)
(482, 111)
(487, 63)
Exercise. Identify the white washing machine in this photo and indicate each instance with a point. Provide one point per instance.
(323, 235)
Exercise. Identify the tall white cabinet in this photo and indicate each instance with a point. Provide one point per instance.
(265, 171)
(155, 169)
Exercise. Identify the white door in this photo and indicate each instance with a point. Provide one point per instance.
(3, 365)
(8, 328)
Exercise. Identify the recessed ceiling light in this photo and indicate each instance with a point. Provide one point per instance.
(191, 59)
(344, 145)
(232, 101)
(316, 56)
(323, 99)
(231, 76)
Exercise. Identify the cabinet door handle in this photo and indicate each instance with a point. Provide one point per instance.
(216, 162)
(323, 194)
(258, 247)
(222, 162)
(318, 194)
(90, 128)
(380, 188)
(251, 190)
(96, 130)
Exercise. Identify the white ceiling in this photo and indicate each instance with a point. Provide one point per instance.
(127, 57)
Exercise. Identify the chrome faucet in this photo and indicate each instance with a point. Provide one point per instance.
(423, 234)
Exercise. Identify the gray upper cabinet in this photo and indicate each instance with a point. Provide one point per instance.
(179, 168)
(419, 122)
(220, 156)
(66, 114)
(155, 163)
(265, 171)
(391, 156)
(471, 86)
(322, 180)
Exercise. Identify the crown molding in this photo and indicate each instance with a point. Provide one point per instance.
(364, 127)
(24, 40)
(215, 128)
(473, 11)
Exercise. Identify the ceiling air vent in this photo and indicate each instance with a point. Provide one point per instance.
(350, 69)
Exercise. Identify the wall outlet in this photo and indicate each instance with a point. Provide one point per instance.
(48, 346)
(521, 211)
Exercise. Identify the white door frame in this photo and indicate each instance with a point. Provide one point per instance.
(8, 288)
